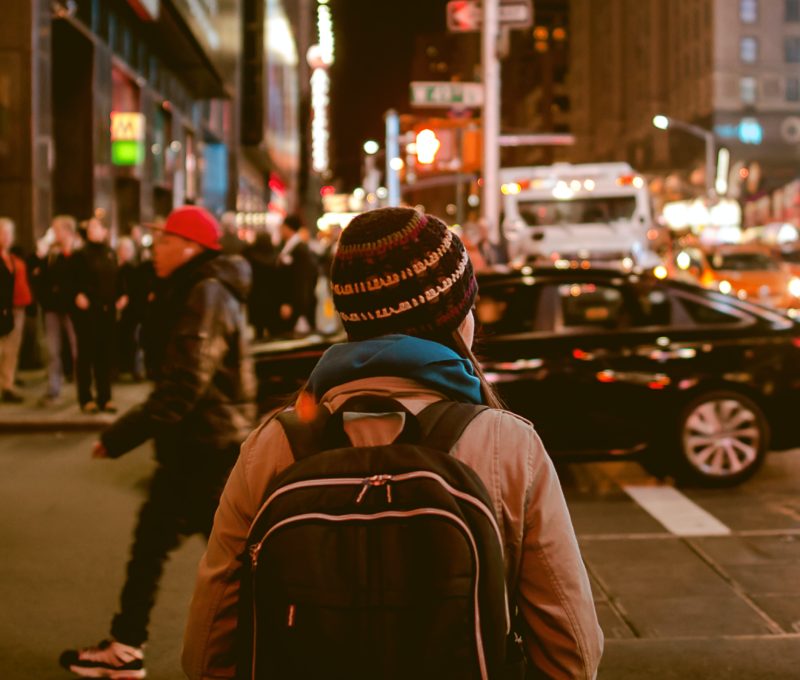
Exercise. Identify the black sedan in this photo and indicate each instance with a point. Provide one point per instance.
(609, 365)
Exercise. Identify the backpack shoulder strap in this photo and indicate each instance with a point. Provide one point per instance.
(443, 422)
(305, 437)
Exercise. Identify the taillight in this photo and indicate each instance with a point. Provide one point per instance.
(796, 342)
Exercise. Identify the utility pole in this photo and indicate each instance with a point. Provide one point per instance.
(491, 118)
(392, 157)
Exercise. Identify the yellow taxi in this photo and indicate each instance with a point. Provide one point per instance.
(750, 272)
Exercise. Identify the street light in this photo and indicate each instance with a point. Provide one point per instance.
(663, 122)
(371, 147)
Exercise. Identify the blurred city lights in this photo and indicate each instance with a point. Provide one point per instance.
(371, 147)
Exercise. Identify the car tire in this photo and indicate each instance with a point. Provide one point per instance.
(722, 439)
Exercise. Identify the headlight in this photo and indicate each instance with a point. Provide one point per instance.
(725, 287)
(794, 287)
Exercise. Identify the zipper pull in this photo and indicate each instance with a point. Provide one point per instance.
(254, 550)
(363, 491)
(376, 480)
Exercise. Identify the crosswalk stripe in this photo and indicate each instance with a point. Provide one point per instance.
(678, 514)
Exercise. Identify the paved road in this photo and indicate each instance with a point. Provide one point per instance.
(723, 604)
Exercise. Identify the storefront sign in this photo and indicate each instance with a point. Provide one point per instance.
(127, 138)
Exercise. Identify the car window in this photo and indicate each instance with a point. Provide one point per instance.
(792, 256)
(590, 305)
(704, 313)
(654, 306)
(506, 308)
(743, 262)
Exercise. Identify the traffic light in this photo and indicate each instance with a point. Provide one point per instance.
(427, 146)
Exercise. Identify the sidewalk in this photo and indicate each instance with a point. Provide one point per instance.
(29, 416)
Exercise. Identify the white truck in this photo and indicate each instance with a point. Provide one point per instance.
(598, 212)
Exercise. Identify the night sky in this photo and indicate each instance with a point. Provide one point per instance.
(374, 49)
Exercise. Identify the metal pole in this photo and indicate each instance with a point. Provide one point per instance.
(711, 163)
(392, 152)
(491, 119)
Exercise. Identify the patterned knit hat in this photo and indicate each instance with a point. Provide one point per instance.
(399, 271)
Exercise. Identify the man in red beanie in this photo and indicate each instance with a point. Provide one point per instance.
(200, 410)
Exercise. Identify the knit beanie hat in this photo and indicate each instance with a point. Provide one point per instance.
(399, 271)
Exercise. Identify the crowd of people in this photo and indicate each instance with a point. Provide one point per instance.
(87, 302)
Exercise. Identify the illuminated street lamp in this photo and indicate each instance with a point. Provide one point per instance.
(371, 147)
(663, 122)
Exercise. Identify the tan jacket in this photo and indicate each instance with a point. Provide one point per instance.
(543, 563)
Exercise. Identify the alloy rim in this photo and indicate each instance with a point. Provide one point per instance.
(721, 437)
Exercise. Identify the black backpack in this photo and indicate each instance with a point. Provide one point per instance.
(376, 562)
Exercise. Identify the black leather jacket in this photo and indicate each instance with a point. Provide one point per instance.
(196, 347)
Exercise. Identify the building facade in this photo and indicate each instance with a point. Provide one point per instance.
(127, 108)
(729, 66)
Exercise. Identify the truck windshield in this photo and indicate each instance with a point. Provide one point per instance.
(578, 211)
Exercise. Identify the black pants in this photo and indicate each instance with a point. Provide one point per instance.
(95, 331)
(182, 501)
(128, 349)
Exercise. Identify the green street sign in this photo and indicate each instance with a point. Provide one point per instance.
(443, 94)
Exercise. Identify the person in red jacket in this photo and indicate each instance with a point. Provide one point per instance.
(16, 295)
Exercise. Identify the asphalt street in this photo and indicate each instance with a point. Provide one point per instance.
(689, 584)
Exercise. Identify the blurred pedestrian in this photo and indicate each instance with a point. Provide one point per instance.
(98, 297)
(53, 285)
(15, 296)
(264, 300)
(404, 288)
(198, 413)
(229, 241)
(130, 358)
(297, 279)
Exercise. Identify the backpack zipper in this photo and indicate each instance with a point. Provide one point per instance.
(368, 518)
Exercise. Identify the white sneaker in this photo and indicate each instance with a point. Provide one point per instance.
(109, 659)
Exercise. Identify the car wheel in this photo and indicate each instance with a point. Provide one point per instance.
(723, 439)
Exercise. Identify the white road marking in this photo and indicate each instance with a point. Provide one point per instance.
(675, 511)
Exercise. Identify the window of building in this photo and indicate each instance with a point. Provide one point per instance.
(792, 10)
(748, 49)
(793, 89)
(748, 11)
(748, 90)
(791, 48)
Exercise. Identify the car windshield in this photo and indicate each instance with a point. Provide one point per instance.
(744, 262)
(792, 256)
(581, 211)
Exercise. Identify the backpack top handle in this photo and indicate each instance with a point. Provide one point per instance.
(438, 426)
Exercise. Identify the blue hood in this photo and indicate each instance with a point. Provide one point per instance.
(404, 356)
